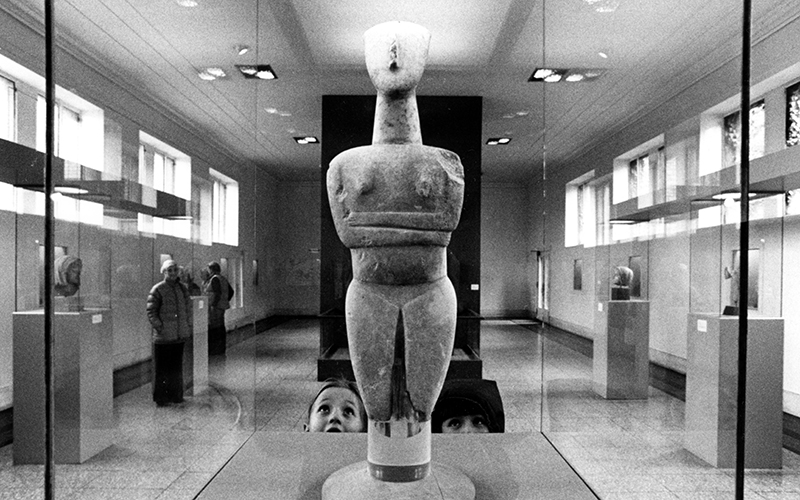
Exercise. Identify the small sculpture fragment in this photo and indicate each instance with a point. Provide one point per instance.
(68, 275)
(621, 285)
(394, 204)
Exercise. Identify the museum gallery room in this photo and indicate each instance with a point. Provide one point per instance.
(518, 221)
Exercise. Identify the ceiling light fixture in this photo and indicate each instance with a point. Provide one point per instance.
(494, 141)
(186, 3)
(603, 55)
(553, 75)
(260, 71)
(241, 49)
(603, 6)
(212, 73)
(308, 139)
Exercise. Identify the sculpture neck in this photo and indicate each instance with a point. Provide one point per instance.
(396, 119)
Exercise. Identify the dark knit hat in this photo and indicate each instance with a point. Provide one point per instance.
(469, 397)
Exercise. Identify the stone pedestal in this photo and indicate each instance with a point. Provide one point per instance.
(621, 361)
(354, 482)
(711, 390)
(199, 344)
(83, 372)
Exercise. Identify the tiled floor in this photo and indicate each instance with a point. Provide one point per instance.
(622, 449)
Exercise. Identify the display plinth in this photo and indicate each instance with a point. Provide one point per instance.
(199, 344)
(621, 360)
(711, 390)
(354, 482)
(295, 466)
(83, 392)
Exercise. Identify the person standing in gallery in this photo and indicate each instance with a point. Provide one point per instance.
(219, 293)
(169, 309)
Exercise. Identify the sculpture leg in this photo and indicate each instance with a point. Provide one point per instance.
(430, 328)
(371, 325)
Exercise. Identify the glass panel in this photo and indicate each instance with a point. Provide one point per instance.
(639, 375)
(153, 393)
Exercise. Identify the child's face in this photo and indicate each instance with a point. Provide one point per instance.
(336, 409)
(465, 424)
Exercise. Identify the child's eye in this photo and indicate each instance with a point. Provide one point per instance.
(479, 422)
(323, 409)
(455, 424)
(349, 412)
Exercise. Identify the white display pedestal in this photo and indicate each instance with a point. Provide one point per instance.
(199, 344)
(83, 393)
(711, 390)
(621, 360)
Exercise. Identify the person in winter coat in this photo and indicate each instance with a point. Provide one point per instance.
(169, 309)
(219, 293)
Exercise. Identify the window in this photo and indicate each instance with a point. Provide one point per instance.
(793, 115)
(579, 212)
(66, 128)
(166, 169)
(602, 197)
(732, 129)
(7, 110)
(224, 209)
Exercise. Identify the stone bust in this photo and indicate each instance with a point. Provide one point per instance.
(68, 275)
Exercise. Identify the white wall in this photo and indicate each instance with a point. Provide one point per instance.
(298, 238)
(504, 253)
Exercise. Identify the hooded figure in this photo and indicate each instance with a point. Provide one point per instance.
(68, 275)
(470, 397)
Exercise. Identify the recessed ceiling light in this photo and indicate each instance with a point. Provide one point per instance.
(494, 141)
(186, 3)
(552, 75)
(603, 6)
(241, 49)
(260, 71)
(217, 72)
(522, 113)
(308, 139)
(603, 55)
(271, 111)
(205, 75)
(547, 75)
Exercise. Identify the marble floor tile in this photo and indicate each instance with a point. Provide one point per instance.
(625, 450)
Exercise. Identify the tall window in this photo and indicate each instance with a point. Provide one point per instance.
(7, 110)
(163, 172)
(732, 130)
(793, 115)
(66, 128)
(163, 168)
(224, 209)
(603, 212)
(580, 212)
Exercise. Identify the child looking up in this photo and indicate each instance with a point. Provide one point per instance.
(337, 407)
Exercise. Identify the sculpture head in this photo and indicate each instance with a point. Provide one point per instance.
(68, 275)
(623, 276)
(395, 54)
